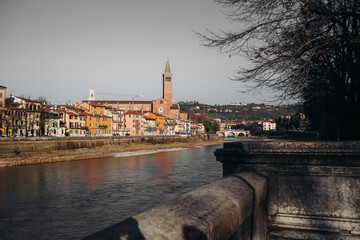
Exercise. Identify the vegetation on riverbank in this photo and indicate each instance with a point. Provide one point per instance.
(8, 160)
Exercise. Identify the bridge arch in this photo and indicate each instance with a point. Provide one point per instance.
(221, 134)
(231, 134)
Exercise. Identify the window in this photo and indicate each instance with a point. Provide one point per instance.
(91, 124)
(161, 110)
(167, 79)
(135, 108)
(147, 108)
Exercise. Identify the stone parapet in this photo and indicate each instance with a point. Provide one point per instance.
(231, 208)
(312, 186)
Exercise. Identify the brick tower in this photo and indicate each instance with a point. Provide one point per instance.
(167, 83)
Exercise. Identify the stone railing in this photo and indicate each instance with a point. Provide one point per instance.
(271, 190)
(313, 186)
(231, 208)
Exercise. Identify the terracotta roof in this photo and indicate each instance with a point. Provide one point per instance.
(116, 102)
(174, 107)
(72, 113)
(149, 118)
(2, 86)
(158, 115)
(58, 111)
(134, 112)
(96, 104)
(95, 115)
(71, 107)
(27, 100)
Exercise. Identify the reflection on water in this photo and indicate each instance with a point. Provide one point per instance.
(69, 200)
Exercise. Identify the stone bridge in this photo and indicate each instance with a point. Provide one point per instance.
(233, 133)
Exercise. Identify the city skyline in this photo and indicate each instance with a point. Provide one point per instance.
(61, 49)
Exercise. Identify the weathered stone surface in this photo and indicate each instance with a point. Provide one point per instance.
(215, 211)
(313, 186)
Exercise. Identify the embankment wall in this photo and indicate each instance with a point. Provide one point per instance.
(43, 144)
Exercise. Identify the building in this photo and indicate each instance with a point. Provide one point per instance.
(117, 120)
(134, 122)
(268, 126)
(12, 121)
(31, 122)
(53, 124)
(2, 96)
(150, 128)
(98, 125)
(163, 105)
(160, 122)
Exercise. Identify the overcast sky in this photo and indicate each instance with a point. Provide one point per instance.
(60, 49)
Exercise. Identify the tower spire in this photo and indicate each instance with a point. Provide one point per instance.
(167, 67)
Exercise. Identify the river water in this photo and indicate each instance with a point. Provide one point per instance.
(70, 200)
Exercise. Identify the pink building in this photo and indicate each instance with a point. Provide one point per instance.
(134, 122)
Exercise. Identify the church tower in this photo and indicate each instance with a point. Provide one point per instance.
(167, 83)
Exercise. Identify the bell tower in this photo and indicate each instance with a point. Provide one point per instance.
(92, 95)
(167, 83)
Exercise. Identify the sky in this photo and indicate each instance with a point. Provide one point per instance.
(60, 49)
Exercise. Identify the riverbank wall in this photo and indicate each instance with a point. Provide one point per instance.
(46, 144)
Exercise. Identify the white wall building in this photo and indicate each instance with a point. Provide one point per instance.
(268, 126)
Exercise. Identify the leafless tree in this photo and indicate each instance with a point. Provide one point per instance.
(301, 49)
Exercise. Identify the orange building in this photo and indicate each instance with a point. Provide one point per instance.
(160, 122)
(98, 125)
(97, 122)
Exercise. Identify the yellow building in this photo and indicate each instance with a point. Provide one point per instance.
(160, 122)
(12, 122)
(98, 125)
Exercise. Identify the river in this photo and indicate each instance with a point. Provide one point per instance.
(70, 200)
